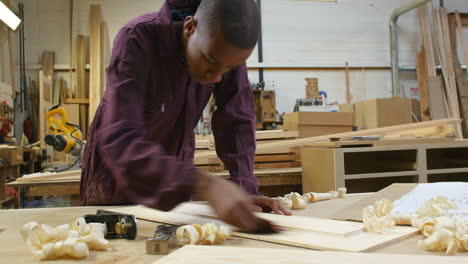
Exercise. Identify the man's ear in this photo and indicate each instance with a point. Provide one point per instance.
(190, 24)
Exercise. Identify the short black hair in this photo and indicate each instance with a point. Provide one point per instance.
(237, 20)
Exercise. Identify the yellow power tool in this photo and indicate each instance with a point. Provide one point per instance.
(66, 136)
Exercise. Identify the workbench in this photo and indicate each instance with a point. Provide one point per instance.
(14, 250)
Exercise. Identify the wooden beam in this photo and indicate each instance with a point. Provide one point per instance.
(421, 67)
(34, 178)
(376, 131)
(95, 61)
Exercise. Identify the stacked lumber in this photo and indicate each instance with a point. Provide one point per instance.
(270, 159)
(440, 95)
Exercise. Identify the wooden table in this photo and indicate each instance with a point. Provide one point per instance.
(13, 249)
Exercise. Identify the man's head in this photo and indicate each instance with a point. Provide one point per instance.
(221, 36)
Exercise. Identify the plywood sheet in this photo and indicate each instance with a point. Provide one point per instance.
(228, 255)
(392, 192)
(314, 224)
(363, 241)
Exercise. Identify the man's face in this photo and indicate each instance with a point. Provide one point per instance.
(209, 57)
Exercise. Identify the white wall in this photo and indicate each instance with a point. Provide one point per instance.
(309, 34)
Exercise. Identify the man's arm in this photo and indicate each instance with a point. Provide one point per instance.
(141, 169)
(234, 127)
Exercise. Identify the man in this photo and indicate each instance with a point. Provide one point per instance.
(161, 75)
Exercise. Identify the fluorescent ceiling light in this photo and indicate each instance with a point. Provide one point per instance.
(8, 17)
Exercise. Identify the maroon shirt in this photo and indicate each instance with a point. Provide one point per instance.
(141, 142)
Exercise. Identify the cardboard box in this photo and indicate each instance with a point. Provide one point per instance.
(346, 108)
(383, 112)
(312, 124)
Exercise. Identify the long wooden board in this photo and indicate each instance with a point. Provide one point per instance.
(376, 131)
(228, 255)
(422, 82)
(95, 61)
(293, 222)
(359, 242)
(49, 176)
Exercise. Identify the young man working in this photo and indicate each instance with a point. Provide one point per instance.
(161, 75)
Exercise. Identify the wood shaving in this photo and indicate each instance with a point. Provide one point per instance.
(295, 201)
(75, 240)
(435, 207)
(443, 233)
(208, 234)
(377, 217)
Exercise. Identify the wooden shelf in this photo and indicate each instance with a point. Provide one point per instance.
(443, 171)
(381, 175)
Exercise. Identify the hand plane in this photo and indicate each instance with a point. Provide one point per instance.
(118, 225)
(163, 240)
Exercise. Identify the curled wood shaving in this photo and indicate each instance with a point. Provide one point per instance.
(208, 234)
(377, 217)
(435, 207)
(75, 240)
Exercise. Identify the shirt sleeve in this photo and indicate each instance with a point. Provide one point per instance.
(233, 126)
(141, 169)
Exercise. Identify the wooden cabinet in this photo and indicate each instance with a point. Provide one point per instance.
(370, 168)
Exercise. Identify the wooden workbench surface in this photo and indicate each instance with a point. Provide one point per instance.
(13, 249)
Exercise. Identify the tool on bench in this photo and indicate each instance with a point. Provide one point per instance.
(163, 240)
(118, 225)
(66, 136)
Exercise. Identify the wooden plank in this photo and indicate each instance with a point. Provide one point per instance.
(392, 192)
(293, 222)
(427, 40)
(360, 242)
(56, 91)
(77, 101)
(348, 89)
(12, 63)
(95, 61)
(375, 131)
(445, 57)
(437, 100)
(461, 36)
(70, 33)
(421, 66)
(228, 255)
(53, 190)
(33, 178)
(48, 63)
(82, 91)
(275, 134)
(103, 54)
(202, 144)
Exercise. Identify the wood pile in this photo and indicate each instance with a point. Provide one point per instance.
(269, 159)
(442, 95)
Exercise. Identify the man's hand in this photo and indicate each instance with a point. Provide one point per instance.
(230, 203)
(267, 205)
